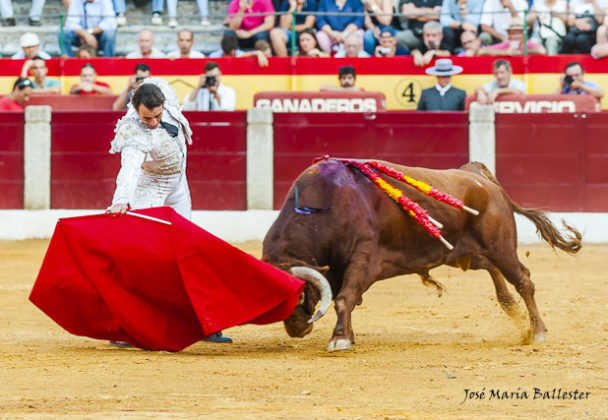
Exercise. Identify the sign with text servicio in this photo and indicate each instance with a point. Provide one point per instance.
(322, 101)
(524, 104)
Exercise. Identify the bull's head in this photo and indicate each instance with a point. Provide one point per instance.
(301, 320)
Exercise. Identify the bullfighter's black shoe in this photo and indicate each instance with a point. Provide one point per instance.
(121, 344)
(218, 338)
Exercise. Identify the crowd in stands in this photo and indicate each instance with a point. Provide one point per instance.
(356, 28)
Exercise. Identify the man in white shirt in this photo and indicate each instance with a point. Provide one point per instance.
(30, 48)
(185, 39)
(145, 40)
(503, 85)
(210, 94)
(91, 22)
(496, 18)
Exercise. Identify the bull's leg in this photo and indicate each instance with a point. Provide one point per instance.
(505, 298)
(519, 276)
(355, 282)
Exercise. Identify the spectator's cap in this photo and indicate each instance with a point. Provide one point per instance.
(29, 39)
(443, 67)
(516, 24)
(388, 30)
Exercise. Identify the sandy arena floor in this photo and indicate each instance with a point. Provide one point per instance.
(415, 358)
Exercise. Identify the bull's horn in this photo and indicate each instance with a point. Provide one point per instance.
(320, 282)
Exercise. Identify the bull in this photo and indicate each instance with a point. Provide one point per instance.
(337, 226)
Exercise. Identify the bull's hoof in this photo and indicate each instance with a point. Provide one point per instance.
(540, 337)
(340, 344)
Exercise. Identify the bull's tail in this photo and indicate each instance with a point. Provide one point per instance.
(544, 227)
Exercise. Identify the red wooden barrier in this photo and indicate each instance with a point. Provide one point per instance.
(431, 139)
(74, 102)
(217, 160)
(11, 160)
(557, 162)
(84, 173)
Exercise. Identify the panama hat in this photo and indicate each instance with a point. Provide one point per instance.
(29, 39)
(443, 67)
(516, 24)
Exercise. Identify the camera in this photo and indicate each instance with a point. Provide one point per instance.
(139, 78)
(568, 80)
(384, 50)
(210, 81)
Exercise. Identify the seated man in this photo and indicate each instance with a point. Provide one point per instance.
(185, 39)
(210, 94)
(41, 84)
(338, 19)
(30, 48)
(91, 22)
(471, 44)
(89, 85)
(433, 44)
(347, 78)
(503, 85)
(388, 45)
(250, 21)
(15, 101)
(281, 35)
(142, 71)
(515, 44)
(496, 19)
(443, 96)
(458, 16)
(572, 82)
(229, 47)
(145, 41)
(352, 47)
(414, 14)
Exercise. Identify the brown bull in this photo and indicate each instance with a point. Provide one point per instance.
(336, 221)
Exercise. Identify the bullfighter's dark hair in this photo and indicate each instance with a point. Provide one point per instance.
(149, 95)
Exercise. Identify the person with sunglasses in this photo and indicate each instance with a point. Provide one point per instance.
(15, 101)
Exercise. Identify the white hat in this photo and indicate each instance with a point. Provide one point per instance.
(443, 67)
(29, 39)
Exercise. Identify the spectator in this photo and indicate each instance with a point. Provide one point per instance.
(157, 11)
(433, 44)
(210, 94)
(334, 28)
(514, 46)
(583, 20)
(246, 24)
(414, 14)
(119, 7)
(504, 84)
(30, 48)
(548, 20)
(14, 101)
(145, 40)
(352, 47)
(388, 45)
(41, 84)
(443, 96)
(280, 36)
(572, 82)
(458, 16)
(185, 39)
(91, 22)
(347, 78)
(203, 10)
(86, 51)
(470, 44)
(600, 50)
(229, 47)
(89, 85)
(308, 45)
(7, 13)
(496, 19)
(262, 51)
(378, 17)
(142, 71)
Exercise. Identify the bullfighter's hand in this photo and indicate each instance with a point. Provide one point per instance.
(118, 208)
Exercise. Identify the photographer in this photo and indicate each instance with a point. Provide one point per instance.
(572, 82)
(210, 94)
(142, 71)
(388, 45)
